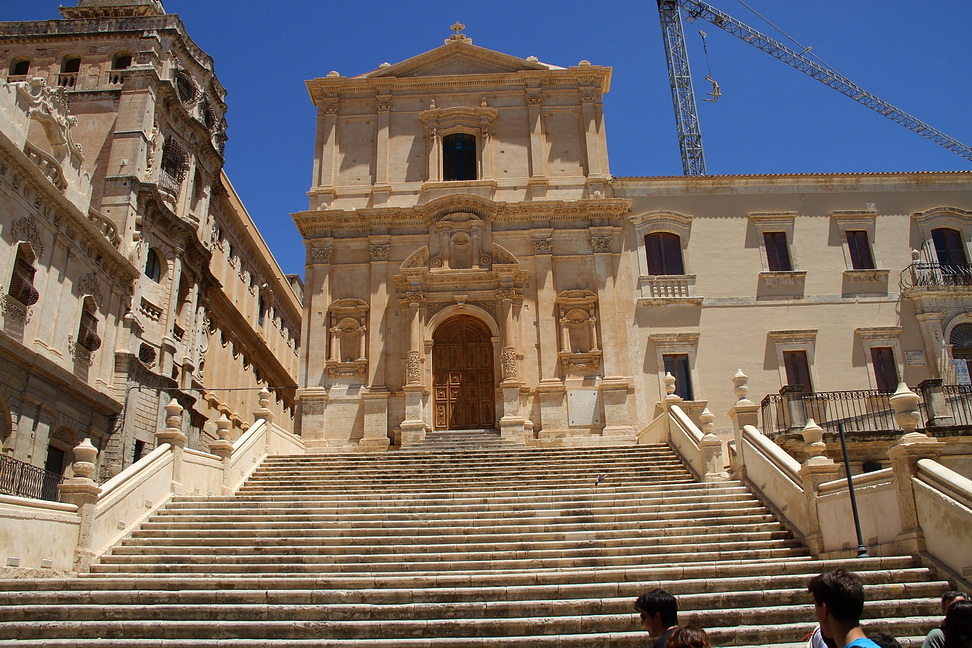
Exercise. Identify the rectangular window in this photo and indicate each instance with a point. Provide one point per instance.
(885, 368)
(860, 250)
(677, 364)
(797, 370)
(777, 252)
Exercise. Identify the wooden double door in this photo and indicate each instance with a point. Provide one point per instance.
(462, 375)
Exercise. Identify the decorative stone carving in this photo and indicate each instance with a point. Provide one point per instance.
(14, 310)
(509, 363)
(534, 99)
(384, 106)
(320, 254)
(25, 229)
(331, 108)
(48, 105)
(379, 251)
(413, 371)
(89, 285)
(601, 244)
(81, 355)
(542, 246)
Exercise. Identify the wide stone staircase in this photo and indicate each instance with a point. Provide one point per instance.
(463, 541)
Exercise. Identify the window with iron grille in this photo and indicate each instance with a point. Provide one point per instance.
(175, 161)
(88, 331)
(22, 282)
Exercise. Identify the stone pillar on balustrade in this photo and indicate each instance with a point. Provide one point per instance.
(223, 448)
(83, 492)
(904, 455)
(711, 448)
(172, 434)
(744, 412)
(816, 470)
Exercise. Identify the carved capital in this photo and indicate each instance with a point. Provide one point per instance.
(601, 244)
(542, 246)
(320, 254)
(379, 251)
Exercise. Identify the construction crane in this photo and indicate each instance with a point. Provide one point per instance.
(683, 96)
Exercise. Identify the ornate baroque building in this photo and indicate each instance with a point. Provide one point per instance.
(471, 263)
(131, 271)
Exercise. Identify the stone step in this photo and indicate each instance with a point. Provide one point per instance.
(452, 545)
(309, 546)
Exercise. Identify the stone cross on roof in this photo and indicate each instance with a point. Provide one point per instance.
(458, 35)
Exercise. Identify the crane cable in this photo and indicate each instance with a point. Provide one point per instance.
(716, 90)
(804, 49)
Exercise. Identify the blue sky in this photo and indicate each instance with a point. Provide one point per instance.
(770, 119)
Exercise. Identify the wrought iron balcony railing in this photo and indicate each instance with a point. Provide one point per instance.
(932, 276)
(24, 480)
(859, 410)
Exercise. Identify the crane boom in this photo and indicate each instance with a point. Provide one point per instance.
(685, 98)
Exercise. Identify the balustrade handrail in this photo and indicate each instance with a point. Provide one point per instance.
(26, 480)
(923, 274)
(859, 410)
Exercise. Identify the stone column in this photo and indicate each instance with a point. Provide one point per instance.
(551, 390)
(534, 99)
(590, 111)
(904, 455)
(381, 154)
(512, 425)
(744, 412)
(327, 144)
(172, 434)
(816, 470)
(932, 333)
(82, 491)
(413, 427)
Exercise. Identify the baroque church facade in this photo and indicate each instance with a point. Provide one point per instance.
(473, 264)
(131, 272)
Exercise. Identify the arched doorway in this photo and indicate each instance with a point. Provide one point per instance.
(462, 375)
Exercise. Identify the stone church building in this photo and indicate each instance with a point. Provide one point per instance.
(473, 264)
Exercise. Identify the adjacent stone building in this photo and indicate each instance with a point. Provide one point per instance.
(132, 273)
(472, 263)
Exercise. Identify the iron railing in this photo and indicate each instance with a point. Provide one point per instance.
(24, 480)
(936, 275)
(859, 410)
(958, 400)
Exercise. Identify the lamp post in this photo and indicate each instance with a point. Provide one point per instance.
(861, 549)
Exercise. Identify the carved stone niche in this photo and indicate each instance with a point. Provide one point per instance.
(347, 348)
(459, 241)
(579, 352)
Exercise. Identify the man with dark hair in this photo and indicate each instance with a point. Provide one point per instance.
(838, 600)
(659, 614)
(936, 638)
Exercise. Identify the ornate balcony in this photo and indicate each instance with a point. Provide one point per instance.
(659, 290)
(921, 277)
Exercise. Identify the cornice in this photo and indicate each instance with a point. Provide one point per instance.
(312, 224)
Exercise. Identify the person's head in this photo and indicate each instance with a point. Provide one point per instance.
(950, 597)
(838, 594)
(659, 611)
(958, 624)
(688, 636)
(884, 640)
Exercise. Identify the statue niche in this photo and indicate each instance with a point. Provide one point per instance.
(577, 315)
(346, 338)
(458, 241)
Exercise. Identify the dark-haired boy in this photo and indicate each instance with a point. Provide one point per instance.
(659, 614)
(936, 638)
(838, 601)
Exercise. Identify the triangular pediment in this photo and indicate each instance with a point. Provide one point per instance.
(458, 58)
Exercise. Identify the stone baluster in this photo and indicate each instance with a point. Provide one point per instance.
(172, 434)
(904, 455)
(83, 492)
(265, 414)
(816, 470)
